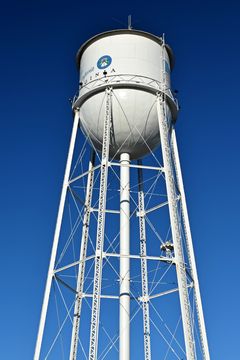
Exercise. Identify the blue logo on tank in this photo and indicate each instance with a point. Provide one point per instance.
(104, 62)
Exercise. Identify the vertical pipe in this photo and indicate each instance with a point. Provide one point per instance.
(187, 230)
(124, 301)
(56, 238)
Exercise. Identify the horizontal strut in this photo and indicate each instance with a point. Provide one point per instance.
(83, 174)
(116, 297)
(155, 258)
(157, 168)
(152, 209)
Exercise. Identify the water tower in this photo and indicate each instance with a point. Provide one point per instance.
(123, 263)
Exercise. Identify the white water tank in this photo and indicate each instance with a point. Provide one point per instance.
(136, 65)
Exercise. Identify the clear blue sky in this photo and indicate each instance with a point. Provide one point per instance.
(39, 40)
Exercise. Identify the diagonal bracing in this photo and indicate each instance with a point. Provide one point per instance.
(82, 261)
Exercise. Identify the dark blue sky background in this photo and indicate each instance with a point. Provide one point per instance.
(39, 40)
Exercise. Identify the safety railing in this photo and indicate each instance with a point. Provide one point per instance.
(127, 79)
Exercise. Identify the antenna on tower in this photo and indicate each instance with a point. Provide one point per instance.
(163, 39)
(129, 22)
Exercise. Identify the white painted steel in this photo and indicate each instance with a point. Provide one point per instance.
(144, 268)
(175, 228)
(124, 300)
(97, 283)
(189, 242)
(134, 119)
(155, 258)
(82, 261)
(138, 166)
(134, 116)
(131, 53)
(126, 112)
(56, 238)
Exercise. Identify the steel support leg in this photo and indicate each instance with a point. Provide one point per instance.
(82, 257)
(175, 227)
(144, 272)
(124, 302)
(56, 238)
(97, 282)
(190, 250)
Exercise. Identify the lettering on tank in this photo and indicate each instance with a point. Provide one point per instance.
(94, 72)
(87, 73)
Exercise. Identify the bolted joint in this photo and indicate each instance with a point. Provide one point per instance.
(80, 295)
(104, 162)
(100, 254)
(144, 299)
(109, 90)
(76, 109)
(140, 213)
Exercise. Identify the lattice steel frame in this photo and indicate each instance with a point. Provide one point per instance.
(144, 270)
(164, 128)
(93, 345)
(82, 259)
(171, 167)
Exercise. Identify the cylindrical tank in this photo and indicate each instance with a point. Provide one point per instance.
(136, 65)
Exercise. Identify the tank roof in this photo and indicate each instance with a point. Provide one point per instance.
(125, 31)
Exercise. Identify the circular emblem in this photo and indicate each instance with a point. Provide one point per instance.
(104, 62)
